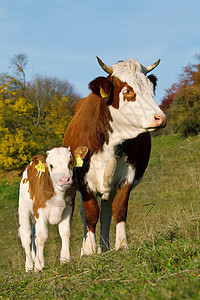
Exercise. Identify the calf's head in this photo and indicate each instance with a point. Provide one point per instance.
(60, 163)
(130, 96)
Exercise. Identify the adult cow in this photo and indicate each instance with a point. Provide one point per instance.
(114, 122)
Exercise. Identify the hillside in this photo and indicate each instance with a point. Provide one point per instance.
(162, 261)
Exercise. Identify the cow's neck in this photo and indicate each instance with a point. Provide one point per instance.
(122, 132)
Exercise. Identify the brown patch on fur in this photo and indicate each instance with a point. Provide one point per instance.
(78, 105)
(40, 184)
(90, 125)
(25, 180)
(71, 162)
(120, 203)
(81, 151)
(91, 209)
(118, 85)
(129, 94)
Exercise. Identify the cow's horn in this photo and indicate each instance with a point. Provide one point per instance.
(151, 67)
(107, 69)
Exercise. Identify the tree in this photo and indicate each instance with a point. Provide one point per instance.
(18, 64)
(184, 112)
(181, 103)
(33, 117)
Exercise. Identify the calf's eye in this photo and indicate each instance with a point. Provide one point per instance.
(51, 167)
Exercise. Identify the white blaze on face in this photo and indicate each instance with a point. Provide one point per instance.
(58, 161)
(134, 116)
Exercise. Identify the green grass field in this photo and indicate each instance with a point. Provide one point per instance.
(163, 228)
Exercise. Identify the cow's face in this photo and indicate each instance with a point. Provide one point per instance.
(131, 101)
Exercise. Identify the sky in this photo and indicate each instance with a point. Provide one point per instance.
(63, 37)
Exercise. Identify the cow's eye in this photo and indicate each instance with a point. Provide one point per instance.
(51, 167)
(127, 92)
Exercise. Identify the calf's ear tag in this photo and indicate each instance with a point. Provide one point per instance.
(40, 167)
(79, 161)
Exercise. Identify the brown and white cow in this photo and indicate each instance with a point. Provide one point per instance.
(43, 195)
(114, 122)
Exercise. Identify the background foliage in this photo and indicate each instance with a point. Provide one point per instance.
(182, 103)
(33, 115)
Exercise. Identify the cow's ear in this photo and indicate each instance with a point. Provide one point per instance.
(102, 87)
(153, 79)
(81, 152)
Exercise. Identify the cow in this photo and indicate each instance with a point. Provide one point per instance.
(114, 122)
(43, 195)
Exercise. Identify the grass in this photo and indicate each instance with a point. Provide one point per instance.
(163, 228)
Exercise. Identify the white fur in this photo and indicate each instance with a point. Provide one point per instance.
(89, 244)
(121, 241)
(102, 167)
(58, 210)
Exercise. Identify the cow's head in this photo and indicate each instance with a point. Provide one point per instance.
(130, 96)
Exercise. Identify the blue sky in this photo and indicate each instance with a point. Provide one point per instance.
(62, 37)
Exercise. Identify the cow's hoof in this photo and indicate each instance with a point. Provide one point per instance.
(64, 261)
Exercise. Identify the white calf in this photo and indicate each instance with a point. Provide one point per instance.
(43, 196)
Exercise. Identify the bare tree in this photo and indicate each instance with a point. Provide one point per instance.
(18, 64)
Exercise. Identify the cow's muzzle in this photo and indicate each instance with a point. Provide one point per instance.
(159, 121)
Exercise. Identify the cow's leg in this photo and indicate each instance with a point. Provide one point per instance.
(82, 213)
(25, 235)
(65, 232)
(119, 208)
(41, 234)
(105, 220)
(91, 210)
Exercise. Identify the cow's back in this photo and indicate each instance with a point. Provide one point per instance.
(90, 125)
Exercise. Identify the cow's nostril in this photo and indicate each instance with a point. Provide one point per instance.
(160, 120)
(157, 117)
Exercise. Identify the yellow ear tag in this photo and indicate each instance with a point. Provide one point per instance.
(103, 94)
(40, 167)
(79, 161)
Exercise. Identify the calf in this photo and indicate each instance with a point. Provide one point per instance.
(44, 196)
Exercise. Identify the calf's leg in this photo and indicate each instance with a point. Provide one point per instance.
(25, 236)
(41, 234)
(65, 232)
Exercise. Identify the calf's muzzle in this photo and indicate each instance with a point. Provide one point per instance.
(65, 180)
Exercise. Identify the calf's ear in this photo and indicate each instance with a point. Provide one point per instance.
(102, 87)
(37, 158)
(81, 152)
